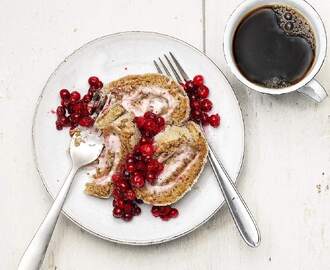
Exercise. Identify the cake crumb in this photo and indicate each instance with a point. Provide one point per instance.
(318, 187)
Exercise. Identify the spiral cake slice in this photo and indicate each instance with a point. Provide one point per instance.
(183, 150)
(150, 92)
(181, 147)
(120, 136)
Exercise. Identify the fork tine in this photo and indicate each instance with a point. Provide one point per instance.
(178, 78)
(165, 68)
(158, 68)
(181, 70)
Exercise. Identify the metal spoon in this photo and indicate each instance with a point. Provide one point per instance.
(84, 148)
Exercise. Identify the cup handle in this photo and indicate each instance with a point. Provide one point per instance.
(314, 90)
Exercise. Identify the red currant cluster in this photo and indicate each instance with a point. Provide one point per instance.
(150, 124)
(139, 167)
(78, 109)
(164, 212)
(200, 105)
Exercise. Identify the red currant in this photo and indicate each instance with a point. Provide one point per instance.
(204, 119)
(86, 121)
(160, 167)
(130, 195)
(174, 213)
(165, 218)
(165, 210)
(150, 115)
(137, 181)
(189, 86)
(130, 160)
(117, 194)
(60, 111)
(161, 122)
(59, 125)
(144, 140)
(140, 166)
(116, 178)
(150, 125)
(76, 108)
(75, 117)
(203, 91)
(214, 120)
(90, 93)
(117, 212)
(206, 105)
(146, 149)
(123, 186)
(93, 81)
(127, 217)
(196, 114)
(74, 96)
(137, 210)
(198, 80)
(195, 105)
(100, 85)
(87, 98)
(147, 158)
(65, 103)
(64, 94)
(64, 121)
(130, 168)
(151, 177)
(128, 208)
(139, 121)
(118, 203)
(155, 211)
(152, 166)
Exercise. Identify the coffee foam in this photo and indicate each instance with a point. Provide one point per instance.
(294, 24)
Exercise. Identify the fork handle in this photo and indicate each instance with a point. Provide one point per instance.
(239, 211)
(35, 252)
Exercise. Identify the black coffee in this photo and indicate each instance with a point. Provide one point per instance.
(274, 46)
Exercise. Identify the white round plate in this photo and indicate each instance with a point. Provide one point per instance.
(109, 58)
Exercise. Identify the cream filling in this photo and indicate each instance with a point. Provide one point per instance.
(111, 144)
(170, 168)
(150, 98)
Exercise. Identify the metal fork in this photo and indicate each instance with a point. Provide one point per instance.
(239, 211)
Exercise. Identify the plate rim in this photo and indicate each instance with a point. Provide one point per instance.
(133, 243)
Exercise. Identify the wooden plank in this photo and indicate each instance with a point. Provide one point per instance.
(36, 38)
(285, 176)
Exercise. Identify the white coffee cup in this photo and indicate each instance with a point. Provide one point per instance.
(308, 85)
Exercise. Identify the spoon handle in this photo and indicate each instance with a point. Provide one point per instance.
(238, 209)
(35, 252)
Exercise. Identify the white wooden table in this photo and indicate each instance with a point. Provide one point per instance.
(286, 173)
